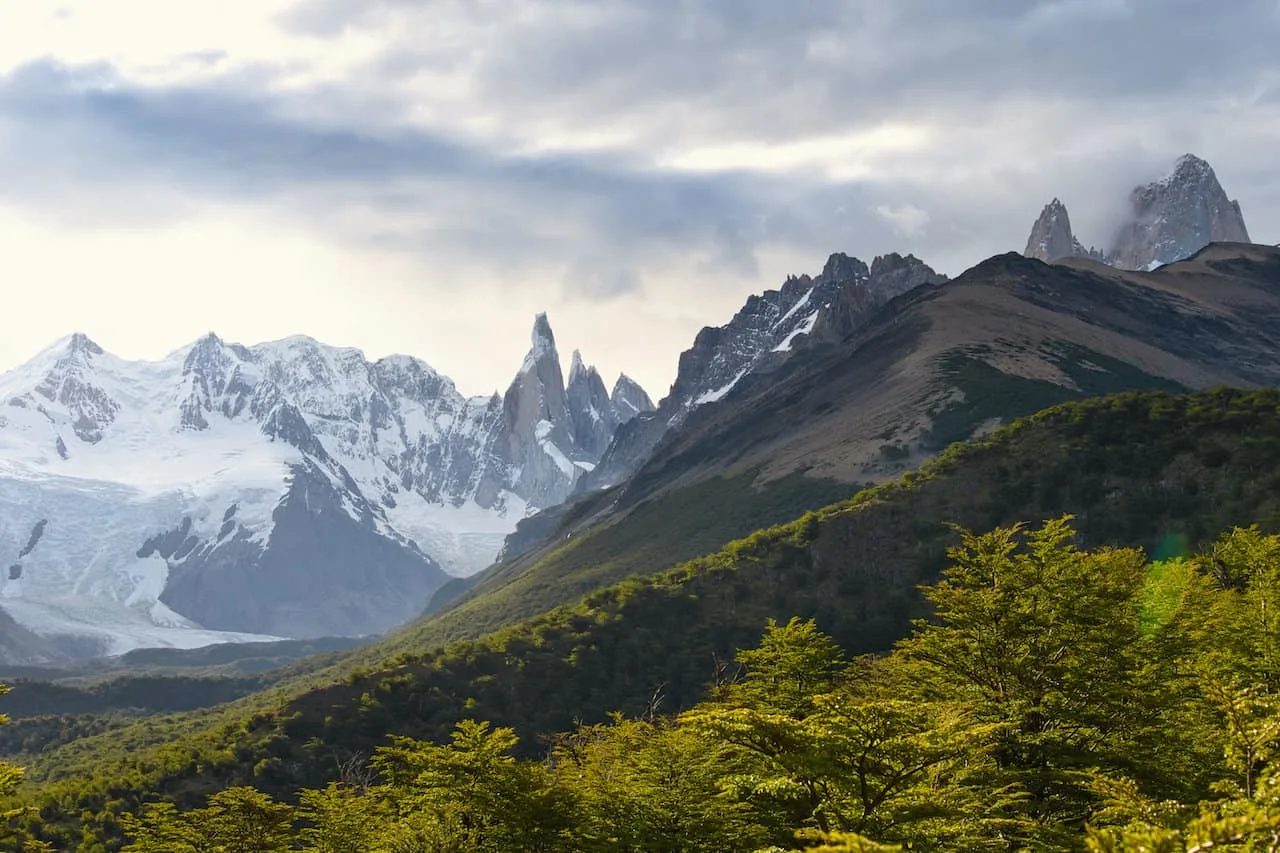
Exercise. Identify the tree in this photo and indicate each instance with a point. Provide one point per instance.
(341, 819)
(1043, 639)
(10, 778)
(474, 784)
(236, 820)
(653, 787)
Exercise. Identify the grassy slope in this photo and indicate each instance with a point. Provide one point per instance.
(699, 518)
(1154, 470)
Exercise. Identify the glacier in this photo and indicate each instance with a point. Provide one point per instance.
(175, 502)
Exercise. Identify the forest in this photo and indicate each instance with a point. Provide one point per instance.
(913, 669)
(1059, 699)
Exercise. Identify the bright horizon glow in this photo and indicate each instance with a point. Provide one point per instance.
(424, 180)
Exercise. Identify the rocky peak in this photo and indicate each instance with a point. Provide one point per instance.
(215, 382)
(80, 344)
(841, 267)
(537, 438)
(894, 274)
(628, 399)
(769, 329)
(71, 382)
(1052, 239)
(542, 339)
(577, 368)
(1170, 219)
(590, 413)
(1051, 236)
(1174, 217)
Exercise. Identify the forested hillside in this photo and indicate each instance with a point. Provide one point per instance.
(1058, 699)
(1153, 471)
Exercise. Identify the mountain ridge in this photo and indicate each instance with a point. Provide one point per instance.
(204, 464)
(937, 364)
(1169, 219)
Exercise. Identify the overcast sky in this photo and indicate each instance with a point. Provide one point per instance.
(422, 176)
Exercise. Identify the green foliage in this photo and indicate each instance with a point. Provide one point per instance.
(1165, 586)
(1136, 470)
(649, 537)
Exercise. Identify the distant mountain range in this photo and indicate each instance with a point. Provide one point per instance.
(937, 364)
(286, 489)
(1169, 219)
(291, 489)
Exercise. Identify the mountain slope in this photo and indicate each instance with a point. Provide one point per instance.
(762, 335)
(1155, 470)
(936, 365)
(237, 493)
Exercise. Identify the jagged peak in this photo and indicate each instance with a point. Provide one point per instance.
(625, 383)
(76, 343)
(1187, 170)
(1191, 164)
(576, 365)
(80, 342)
(627, 390)
(840, 267)
(1055, 209)
(542, 344)
(542, 335)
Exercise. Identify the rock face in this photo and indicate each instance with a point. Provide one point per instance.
(1175, 217)
(1051, 237)
(767, 330)
(1170, 219)
(552, 433)
(285, 489)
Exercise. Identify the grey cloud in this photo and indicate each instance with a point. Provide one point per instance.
(773, 69)
(1078, 98)
(85, 127)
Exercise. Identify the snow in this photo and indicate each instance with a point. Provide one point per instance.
(803, 328)
(464, 538)
(84, 577)
(719, 393)
(800, 303)
(557, 456)
(148, 473)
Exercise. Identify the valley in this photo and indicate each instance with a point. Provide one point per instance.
(901, 561)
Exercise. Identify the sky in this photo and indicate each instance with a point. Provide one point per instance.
(423, 176)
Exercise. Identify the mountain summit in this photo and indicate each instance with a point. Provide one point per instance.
(1176, 216)
(1170, 219)
(765, 332)
(287, 489)
(1051, 237)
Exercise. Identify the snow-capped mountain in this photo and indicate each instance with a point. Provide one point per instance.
(1170, 219)
(285, 489)
(767, 329)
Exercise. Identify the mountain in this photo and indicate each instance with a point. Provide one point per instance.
(1051, 237)
(763, 334)
(1170, 219)
(290, 489)
(1176, 216)
(938, 364)
(1159, 471)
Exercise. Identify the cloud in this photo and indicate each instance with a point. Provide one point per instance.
(660, 158)
(906, 219)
